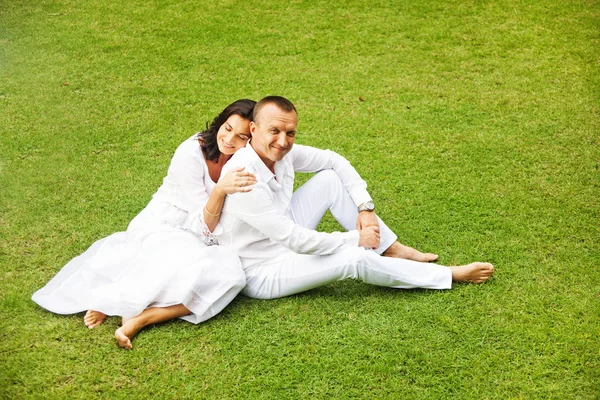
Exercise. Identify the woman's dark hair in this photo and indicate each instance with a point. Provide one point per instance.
(208, 137)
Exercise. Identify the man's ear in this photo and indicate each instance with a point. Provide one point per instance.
(252, 128)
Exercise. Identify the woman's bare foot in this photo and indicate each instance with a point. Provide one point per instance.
(150, 316)
(93, 318)
(476, 272)
(398, 250)
(130, 328)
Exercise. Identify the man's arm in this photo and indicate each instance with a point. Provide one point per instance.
(257, 210)
(311, 159)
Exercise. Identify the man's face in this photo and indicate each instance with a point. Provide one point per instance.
(273, 133)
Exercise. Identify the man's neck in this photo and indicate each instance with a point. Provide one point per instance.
(269, 163)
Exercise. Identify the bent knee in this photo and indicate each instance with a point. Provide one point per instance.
(329, 176)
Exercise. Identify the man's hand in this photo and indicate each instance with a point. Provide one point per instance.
(366, 218)
(369, 237)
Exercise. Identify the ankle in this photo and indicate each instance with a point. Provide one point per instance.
(394, 249)
(398, 250)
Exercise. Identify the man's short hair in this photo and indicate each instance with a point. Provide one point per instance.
(281, 102)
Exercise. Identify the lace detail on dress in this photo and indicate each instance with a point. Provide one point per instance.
(209, 237)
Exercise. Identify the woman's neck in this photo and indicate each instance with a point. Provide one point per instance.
(223, 158)
(215, 167)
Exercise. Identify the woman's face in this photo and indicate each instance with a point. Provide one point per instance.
(233, 134)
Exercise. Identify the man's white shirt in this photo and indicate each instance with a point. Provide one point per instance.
(258, 225)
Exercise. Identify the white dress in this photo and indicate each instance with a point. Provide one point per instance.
(165, 257)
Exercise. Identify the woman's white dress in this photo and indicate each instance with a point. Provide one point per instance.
(165, 257)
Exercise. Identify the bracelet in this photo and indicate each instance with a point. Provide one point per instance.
(211, 214)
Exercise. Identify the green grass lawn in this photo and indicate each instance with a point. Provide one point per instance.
(475, 123)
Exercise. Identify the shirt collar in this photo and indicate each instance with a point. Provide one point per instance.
(263, 172)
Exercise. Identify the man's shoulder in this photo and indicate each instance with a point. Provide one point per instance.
(298, 148)
(301, 151)
(242, 158)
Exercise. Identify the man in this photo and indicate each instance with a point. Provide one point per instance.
(272, 229)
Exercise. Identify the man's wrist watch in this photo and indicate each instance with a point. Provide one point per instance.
(366, 206)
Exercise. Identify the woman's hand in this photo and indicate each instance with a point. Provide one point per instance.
(236, 181)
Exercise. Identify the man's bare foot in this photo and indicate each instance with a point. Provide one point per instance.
(130, 328)
(476, 272)
(398, 250)
(93, 318)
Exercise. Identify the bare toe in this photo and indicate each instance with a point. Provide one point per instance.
(415, 255)
(398, 250)
(476, 272)
(93, 318)
(429, 257)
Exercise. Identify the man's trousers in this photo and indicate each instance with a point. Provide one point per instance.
(301, 272)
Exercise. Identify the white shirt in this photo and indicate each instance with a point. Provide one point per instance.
(186, 188)
(258, 226)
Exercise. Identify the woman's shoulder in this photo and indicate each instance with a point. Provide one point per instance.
(189, 152)
(190, 147)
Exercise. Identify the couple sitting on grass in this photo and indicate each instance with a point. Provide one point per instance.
(226, 220)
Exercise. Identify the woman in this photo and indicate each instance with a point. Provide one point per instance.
(164, 266)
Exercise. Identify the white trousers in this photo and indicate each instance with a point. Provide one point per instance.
(301, 272)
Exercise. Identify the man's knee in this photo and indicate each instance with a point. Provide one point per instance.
(329, 182)
(328, 177)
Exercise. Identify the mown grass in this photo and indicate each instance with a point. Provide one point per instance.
(476, 125)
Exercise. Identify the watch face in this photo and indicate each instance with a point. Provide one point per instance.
(368, 206)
